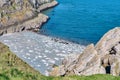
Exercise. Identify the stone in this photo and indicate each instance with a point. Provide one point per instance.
(17, 15)
(3, 2)
(108, 41)
(47, 5)
(26, 45)
(103, 58)
(89, 62)
(18, 1)
(34, 3)
(57, 71)
(20, 4)
(115, 68)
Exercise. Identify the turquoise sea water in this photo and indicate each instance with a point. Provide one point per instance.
(82, 21)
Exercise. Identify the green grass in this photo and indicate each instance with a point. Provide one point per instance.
(92, 77)
(13, 68)
(14, 74)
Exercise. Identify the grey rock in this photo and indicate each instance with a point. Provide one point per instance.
(3, 2)
(104, 58)
(108, 42)
(20, 4)
(37, 3)
(16, 15)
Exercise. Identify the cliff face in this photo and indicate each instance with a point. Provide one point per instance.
(37, 3)
(13, 13)
(103, 58)
(8, 7)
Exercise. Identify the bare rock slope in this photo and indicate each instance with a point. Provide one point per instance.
(103, 58)
(13, 14)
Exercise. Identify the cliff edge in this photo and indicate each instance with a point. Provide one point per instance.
(18, 15)
(103, 58)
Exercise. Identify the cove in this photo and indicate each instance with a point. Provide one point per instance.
(82, 21)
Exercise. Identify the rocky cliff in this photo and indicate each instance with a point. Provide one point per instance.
(103, 58)
(14, 14)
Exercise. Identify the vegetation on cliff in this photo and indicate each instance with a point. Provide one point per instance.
(17, 11)
(13, 13)
(13, 68)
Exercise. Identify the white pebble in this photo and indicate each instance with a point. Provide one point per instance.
(27, 54)
(46, 51)
(52, 61)
(36, 57)
(39, 56)
(29, 58)
(43, 61)
(56, 59)
(38, 65)
(31, 51)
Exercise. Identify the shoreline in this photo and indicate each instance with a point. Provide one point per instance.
(26, 45)
(34, 23)
(53, 56)
(65, 39)
(47, 6)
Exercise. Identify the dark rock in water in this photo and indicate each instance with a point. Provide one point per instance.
(104, 58)
(64, 42)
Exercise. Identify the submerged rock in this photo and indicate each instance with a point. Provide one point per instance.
(103, 58)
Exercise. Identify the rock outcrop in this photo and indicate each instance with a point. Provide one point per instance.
(37, 3)
(103, 58)
(47, 5)
(32, 24)
(14, 14)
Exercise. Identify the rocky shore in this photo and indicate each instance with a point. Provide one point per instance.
(19, 15)
(40, 51)
(47, 6)
(44, 53)
(103, 58)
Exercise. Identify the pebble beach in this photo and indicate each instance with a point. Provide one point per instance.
(40, 51)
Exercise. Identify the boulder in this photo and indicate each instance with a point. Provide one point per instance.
(37, 3)
(58, 71)
(3, 2)
(109, 43)
(20, 4)
(103, 58)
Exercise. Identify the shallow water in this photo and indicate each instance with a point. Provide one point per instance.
(40, 51)
(82, 21)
